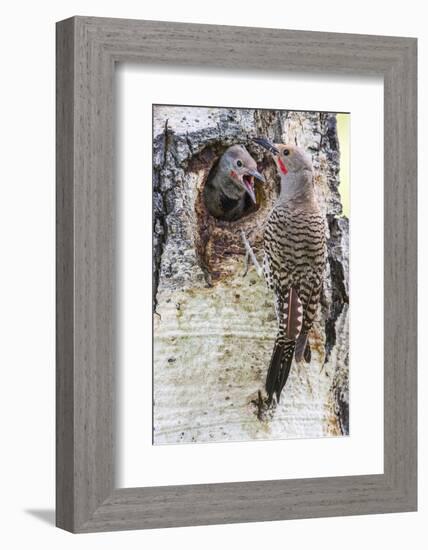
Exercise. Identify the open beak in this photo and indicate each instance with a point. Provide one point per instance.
(266, 144)
(257, 175)
(248, 181)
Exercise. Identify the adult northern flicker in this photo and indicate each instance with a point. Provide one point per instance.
(294, 260)
(229, 190)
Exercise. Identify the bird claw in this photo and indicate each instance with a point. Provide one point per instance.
(249, 253)
(261, 406)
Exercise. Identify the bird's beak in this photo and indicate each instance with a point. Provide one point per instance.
(248, 182)
(266, 144)
(257, 175)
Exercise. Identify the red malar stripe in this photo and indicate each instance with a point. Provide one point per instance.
(282, 167)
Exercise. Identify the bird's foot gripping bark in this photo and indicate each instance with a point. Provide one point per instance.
(262, 407)
(249, 253)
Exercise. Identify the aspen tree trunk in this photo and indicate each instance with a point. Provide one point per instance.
(214, 328)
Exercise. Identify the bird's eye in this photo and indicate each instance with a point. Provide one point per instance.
(286, 152)
(239, 163)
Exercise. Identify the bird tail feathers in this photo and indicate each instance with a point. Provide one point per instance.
(279, 367)
(303, 349)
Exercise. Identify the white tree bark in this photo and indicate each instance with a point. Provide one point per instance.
(213, 328)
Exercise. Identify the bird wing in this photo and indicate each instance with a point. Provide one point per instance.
(292, 314)
(310, 303)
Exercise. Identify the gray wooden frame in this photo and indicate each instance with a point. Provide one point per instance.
(87, 50)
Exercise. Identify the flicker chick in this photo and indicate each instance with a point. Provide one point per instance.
(294, 260)
(229, 191)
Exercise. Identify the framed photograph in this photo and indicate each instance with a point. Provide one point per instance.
(236, 274)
